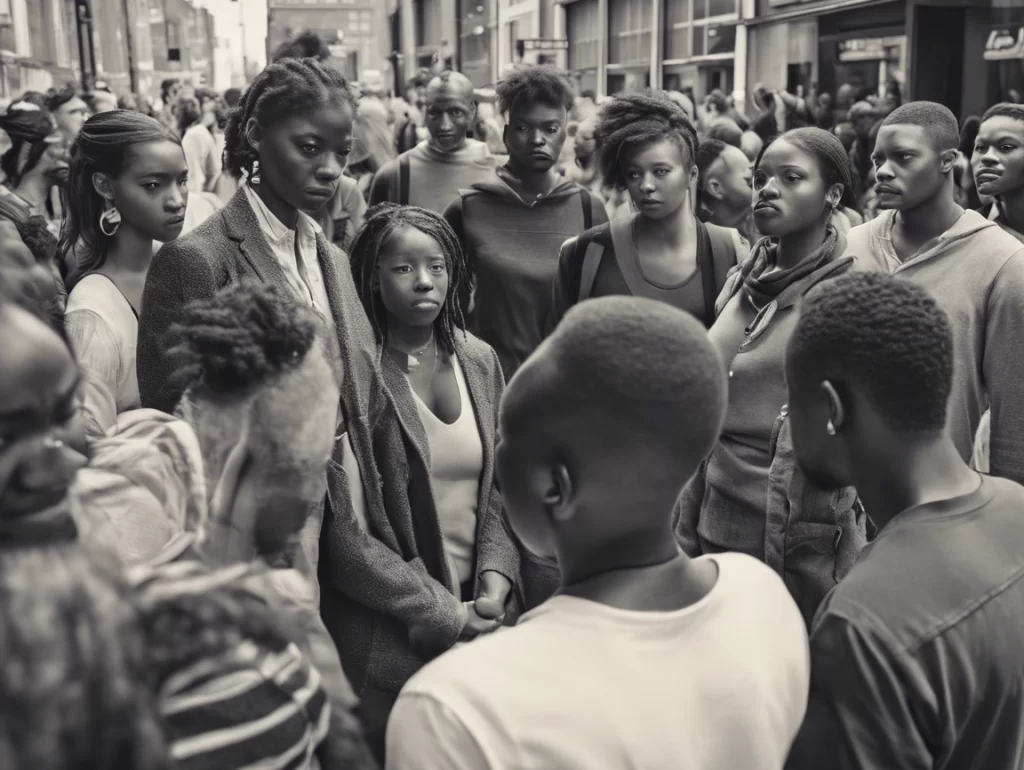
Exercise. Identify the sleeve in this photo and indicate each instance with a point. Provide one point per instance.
(423, 732)
(863, 701)
(497, 549)
(177, 276)
(565, 291)
(366, 570)
(97, 352)
(1003, 369)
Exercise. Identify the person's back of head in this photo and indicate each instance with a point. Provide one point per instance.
(726, 130)
(260, 380)
(870, 369)
(605, 423)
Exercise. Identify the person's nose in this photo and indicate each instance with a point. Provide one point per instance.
(770, 191)
(647, 184)
(177, 199)
(538, 139)
(884, 172)
(424, 281)
(331, 169)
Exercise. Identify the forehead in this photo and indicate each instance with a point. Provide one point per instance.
(35, 366)
(327, 121)
(538, 112)
(158, 157)
(663, 151)
(406, 241)
(1002, 126)
(448, 95)
(903, 136)
(73, 105)
(782, 152)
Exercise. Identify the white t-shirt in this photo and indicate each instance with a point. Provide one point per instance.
(577, 685)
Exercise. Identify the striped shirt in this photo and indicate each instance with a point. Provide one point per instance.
(250, 709)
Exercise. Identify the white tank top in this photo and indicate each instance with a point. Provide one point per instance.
(456, 462)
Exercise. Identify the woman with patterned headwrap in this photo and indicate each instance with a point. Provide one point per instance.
(37, 160)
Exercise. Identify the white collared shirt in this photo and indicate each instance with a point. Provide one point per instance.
(300, 265)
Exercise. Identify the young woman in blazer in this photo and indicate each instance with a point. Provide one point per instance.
(446, 384)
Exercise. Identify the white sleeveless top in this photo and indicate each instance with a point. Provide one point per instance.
(104, 332)
(456, 462)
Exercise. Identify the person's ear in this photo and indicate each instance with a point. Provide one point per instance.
(714, 188)
(101, 184)
(222, 503)
(559, 493)
(834, 195)
(837, 412)
(253, 134)
(948, 160)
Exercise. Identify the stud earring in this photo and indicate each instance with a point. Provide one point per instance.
(110, 220)
(830, 429)
(254, 177)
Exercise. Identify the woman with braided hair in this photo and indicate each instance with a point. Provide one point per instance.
(408, 268)
(648, 146)
(36, 162)
(749, 496)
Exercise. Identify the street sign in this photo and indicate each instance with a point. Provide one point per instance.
(541, 44)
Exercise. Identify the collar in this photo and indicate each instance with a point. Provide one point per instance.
(273, 227)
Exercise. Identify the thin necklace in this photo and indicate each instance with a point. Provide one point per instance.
(413, 356)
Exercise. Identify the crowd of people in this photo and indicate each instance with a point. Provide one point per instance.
(509, 428)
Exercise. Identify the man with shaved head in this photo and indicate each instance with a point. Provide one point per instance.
(431, 174)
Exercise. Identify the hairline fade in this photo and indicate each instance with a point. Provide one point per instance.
(935, 119)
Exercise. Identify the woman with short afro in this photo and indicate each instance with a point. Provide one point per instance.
(647, 146)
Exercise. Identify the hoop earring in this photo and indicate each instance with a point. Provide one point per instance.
(254, 177)
(110, 218)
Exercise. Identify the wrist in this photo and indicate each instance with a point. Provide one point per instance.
(495, 585)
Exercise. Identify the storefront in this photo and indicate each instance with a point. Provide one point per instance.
(983, 53)
(699, 45)
(798, 45)
(630, 37)
(582, 24)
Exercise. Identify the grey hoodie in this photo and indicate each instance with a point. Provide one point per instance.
(975, 271)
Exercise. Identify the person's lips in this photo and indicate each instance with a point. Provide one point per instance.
(426, 304)
(649, 203)
(763, 207)
(175, 221)
(987, 175)
(540, 155)
(320, 192)
(884, 189)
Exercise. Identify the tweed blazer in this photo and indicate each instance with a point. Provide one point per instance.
(385, 625)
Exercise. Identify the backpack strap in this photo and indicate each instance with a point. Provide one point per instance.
(403, 180)
(588, 213)
(591, 264)
(707, 273)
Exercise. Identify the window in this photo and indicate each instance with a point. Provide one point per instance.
(688, 33)
(513, 37)
(584, 35)
(629, 31)
(428, 22)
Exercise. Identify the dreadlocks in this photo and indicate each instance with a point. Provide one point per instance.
(284, 88)
(382, 221)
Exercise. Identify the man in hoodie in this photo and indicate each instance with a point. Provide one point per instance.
(431, 174)
(513, 225)
(973, 269)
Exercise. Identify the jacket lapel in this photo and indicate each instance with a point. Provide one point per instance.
(480, 383)
(405, 405)
(244, 229)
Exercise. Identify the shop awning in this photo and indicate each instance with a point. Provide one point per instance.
(1005, 43)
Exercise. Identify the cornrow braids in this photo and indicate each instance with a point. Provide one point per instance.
(533, 83)
(381, 223)
(241, 337)
(282, 89)
(883, 336)
(635, 120)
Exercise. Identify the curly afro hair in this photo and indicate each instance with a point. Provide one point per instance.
(534, 83)
(634, 120)
(880, 336)
(243, 336)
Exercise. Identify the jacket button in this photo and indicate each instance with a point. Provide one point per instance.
(730, 374)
